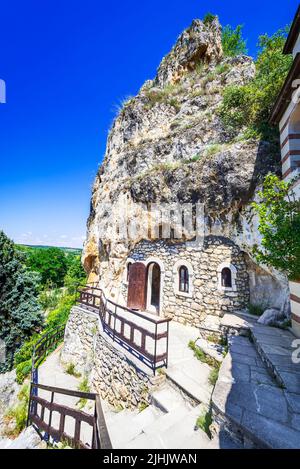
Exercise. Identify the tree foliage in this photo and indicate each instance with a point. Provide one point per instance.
(50, 263)
(249, 106)
(233, 42)
(279, 225)
(20, 313)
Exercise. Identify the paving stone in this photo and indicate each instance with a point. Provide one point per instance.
(293, 401)
(240, 358)
(270, 433)
(291, 381)
(296, 421)
(258, 375)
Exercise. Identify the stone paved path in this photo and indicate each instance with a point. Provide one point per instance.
(248, 398)
(184, 369)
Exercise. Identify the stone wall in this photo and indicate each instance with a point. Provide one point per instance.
(206, 299)
(111, 373)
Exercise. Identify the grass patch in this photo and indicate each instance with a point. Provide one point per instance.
(142, 406)
(222, 68)
(213, 149)
(167, 95)
(256, 310)
(213, 376)
(202, 356)
(204, 422)
(72, 371)
(83, 387)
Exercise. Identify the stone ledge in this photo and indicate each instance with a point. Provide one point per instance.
(248, 403)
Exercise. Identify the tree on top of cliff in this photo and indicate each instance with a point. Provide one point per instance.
(20, 314)
(250, 105)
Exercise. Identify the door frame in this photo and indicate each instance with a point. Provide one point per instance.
(149, 307)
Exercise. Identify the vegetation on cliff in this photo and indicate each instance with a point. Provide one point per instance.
(249, 105)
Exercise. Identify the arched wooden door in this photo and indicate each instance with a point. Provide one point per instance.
(136, 298)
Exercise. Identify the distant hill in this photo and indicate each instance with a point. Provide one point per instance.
(76, 251)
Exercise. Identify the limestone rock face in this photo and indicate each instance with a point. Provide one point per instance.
(168, 145)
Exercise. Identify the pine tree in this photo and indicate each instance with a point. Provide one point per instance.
(20, 313)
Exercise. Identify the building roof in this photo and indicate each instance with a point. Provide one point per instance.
(285, 95)
(293, 34)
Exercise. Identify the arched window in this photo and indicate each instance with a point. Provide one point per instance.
(183, 279)
(226, 278)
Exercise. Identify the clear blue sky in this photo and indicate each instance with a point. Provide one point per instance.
(67, 64)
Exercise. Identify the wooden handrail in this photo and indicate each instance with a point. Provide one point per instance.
(94, 297)
(97, 421)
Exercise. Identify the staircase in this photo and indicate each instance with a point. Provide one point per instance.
(168, 423)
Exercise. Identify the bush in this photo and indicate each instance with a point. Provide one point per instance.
(59, 316)
(256, 310)
(71, 370)
(23, 371)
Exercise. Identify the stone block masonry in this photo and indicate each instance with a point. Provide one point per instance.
(206, 296)
(111, 373)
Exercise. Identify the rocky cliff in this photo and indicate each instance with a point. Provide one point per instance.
(168, 144)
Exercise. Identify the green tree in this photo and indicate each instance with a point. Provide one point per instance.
(20, 314)
(75, 274)
(279, 225)
(248, 107)
(233, 42)
(50, 263)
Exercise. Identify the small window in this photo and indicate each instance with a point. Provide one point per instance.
(226, 278)
(128, 268)
(183, 279)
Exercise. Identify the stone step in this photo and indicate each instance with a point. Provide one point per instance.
(192, 378)
(183, 434)
(177, 431)
(167, 399)
(129, 425)
(166, 421)
(275, 347)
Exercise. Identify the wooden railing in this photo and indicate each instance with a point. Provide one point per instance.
(145, 337)
(49, 417)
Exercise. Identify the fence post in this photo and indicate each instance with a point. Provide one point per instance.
(155, 349)
(167, 360)
(115, 319)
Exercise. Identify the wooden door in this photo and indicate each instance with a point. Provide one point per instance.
(136, 298)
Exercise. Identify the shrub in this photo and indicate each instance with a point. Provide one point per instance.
(23, 371)
(59, 316)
